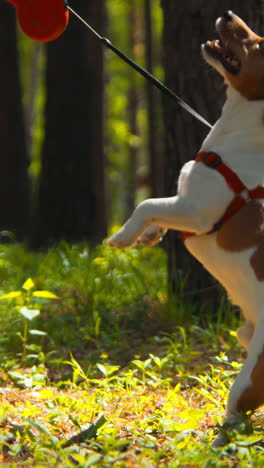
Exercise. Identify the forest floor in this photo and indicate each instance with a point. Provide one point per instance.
(92, 377)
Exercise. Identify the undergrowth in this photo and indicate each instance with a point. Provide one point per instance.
(96, 370)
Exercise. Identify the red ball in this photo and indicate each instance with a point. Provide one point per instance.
(42, 20)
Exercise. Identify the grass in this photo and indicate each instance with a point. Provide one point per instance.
(95, 372)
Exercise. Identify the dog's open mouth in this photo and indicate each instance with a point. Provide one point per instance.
(224, 55)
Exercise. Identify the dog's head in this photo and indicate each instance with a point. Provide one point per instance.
(238, 56)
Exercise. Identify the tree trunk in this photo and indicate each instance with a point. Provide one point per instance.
(34, 78)
(156, 164)
(132, 113)
(14, 182)
(72, 188)
(186, 26)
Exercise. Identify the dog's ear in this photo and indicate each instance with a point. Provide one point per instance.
(42, 20)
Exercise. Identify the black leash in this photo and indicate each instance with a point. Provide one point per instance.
(141, 70)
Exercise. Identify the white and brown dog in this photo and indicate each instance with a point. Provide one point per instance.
(220, 202)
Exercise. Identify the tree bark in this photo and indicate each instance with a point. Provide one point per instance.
(71, 203)
(132, 113)
(186, 26)
(14, 182)
(34, 77)
(156, 164)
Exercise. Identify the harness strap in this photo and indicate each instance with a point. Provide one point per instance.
(214, 161)
(242, 194)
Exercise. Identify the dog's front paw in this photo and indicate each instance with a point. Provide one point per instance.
(151, 236)
(120, 240)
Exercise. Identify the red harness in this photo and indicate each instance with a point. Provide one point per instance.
(242, 194)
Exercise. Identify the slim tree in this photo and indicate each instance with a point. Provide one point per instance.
(132, 109)
(14, 182)
(71, 202)
(156, 159)
(186, 26)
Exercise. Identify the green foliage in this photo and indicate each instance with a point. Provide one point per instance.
(22, 302)
(104, 386)
(94, 294)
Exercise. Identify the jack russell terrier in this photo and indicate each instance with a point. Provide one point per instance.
(220, 202)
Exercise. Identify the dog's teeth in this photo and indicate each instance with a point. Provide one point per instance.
(233, 61)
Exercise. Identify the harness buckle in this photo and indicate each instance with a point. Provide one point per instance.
(211, 160)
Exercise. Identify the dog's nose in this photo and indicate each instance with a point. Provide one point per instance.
(228, 15)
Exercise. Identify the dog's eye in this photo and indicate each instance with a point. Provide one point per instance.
(260, 45)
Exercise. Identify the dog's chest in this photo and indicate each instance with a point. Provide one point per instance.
(243, 232)
(235, 256)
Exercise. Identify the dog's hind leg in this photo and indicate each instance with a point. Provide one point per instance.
(247, 392)
(245, 333)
